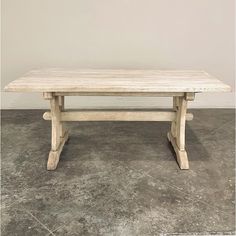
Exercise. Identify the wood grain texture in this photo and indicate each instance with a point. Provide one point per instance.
(173, 123)
(59, 136)
(117, 116)
(61, 107)
(177, 133)
(54, 155)
(56, 124)
(180, 123)
(128, 81)
(181, 155)
(123, 94)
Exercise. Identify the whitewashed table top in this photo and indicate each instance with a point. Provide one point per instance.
(99, 80)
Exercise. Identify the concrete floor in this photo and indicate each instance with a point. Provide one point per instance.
(118, 178)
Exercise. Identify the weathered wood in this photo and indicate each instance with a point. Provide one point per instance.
(61, 102)
(173, 123)
(116, 81)
(117, 116)
(124, 94)
(54, 155)
(180, 123)
(57, 83)
(189, 96)
(58, 136)
(55, 115)
(47, 95)
(177, 134)
(181, 155)
(61, 107)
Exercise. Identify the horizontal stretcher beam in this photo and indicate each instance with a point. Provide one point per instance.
(123, 94)
(117, 116)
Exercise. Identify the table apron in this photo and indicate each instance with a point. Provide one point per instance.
(122, 94)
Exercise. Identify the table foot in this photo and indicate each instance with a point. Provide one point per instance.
(181, 155)
(54, 156)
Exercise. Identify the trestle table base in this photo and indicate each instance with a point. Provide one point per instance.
(177, 117)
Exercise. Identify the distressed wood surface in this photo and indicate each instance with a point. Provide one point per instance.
(180, 121)
(55, 112)
(181, 155)
(128, 81)
(117, 116)
(54, 155)
(57, 83)
(58, 135)
(177, 133)
(123, 94)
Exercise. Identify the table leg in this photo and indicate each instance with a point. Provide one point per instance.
(173, 123)
(62, 108)
(58, 136)
(177, 134)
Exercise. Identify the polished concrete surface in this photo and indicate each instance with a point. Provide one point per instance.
(118, 178)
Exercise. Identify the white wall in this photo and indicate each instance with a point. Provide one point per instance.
(161, 34)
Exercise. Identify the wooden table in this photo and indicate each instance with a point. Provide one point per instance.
(55, 84)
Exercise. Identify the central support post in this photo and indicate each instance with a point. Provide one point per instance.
(58, 136)
(177, 133)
